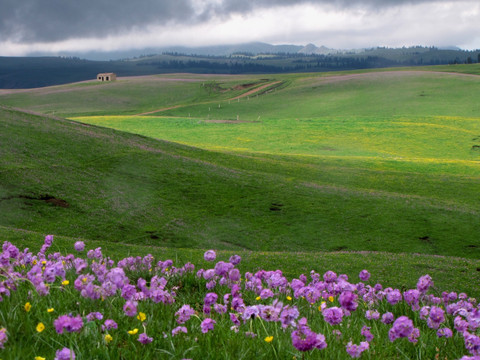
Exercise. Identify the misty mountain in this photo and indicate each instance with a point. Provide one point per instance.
(29, 72)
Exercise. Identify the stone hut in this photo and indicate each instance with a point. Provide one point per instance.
(107, 77)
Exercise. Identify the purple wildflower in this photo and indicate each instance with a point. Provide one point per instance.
(207, 325)
(3, 337)
(412, 298)
(234, 319)
(183, 314)
(266, 293)
(222, 268)
(472, 343)
(178, 330)
(211, 284)
(460, 324)
(251, 312)
(94, 316)
(437, 316)
(235, 259)
(320, 343)
(144, 338)
(288, 316)
(329, 276)
(387, 318)
(364, 275)
(424, 283)
(348, 301)
(65, 354)
(210, 255)
(413, 337)
(210, 299)
(394, 296)
(333, 315)
(69, 323)
(355, 351)
(372, 315)
(130, 308)
(444, 332)
(220, 309)
(366, 332)
(304, 339)
(109, 324)
(402, 327)
(79, 246)
(234, 275)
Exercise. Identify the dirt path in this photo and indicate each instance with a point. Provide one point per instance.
(248, 93)
(254, 91)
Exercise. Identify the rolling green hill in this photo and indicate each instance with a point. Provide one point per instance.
(380, 161)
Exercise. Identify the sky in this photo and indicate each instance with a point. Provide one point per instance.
(59, 26)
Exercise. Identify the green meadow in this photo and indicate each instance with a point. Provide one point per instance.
(375, 169)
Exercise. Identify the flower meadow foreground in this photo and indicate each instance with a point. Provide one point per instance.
(84, 305)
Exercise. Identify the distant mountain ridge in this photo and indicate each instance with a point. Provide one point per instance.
(251, 58)
(252, 48)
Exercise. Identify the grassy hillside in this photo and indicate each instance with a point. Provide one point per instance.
(384, 162)
(358, 169)
(100, 184)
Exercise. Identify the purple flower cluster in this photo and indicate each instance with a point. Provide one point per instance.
(69, 323)
(207, 325)
(3, 337)
(304, 339)
(144, 339)
(65, 354)
(355, 351)
(229, 295)
(403, 328)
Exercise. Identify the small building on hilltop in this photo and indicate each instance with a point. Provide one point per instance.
(107, 77)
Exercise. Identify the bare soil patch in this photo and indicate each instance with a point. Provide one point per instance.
(256, 90)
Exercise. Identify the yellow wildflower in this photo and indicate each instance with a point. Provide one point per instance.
(258, 298)
(50, 310)
(330, 298)
(39, 358)
(108, 338)
(40, 327)
(133, 332)
(289, 298)
(269, 339)
(141, 316)
(65, 282)
(43, 262)
(27, 307)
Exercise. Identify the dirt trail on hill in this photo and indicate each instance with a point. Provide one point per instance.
(248, 93)
(256, 90)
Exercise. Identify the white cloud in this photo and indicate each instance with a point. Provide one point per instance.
(430, 23)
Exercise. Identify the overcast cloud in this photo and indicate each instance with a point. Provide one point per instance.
(55, 26)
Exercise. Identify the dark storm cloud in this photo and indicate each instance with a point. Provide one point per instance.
(54, 20)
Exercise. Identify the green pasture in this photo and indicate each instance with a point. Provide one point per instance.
(314, 168)
(422, 140)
